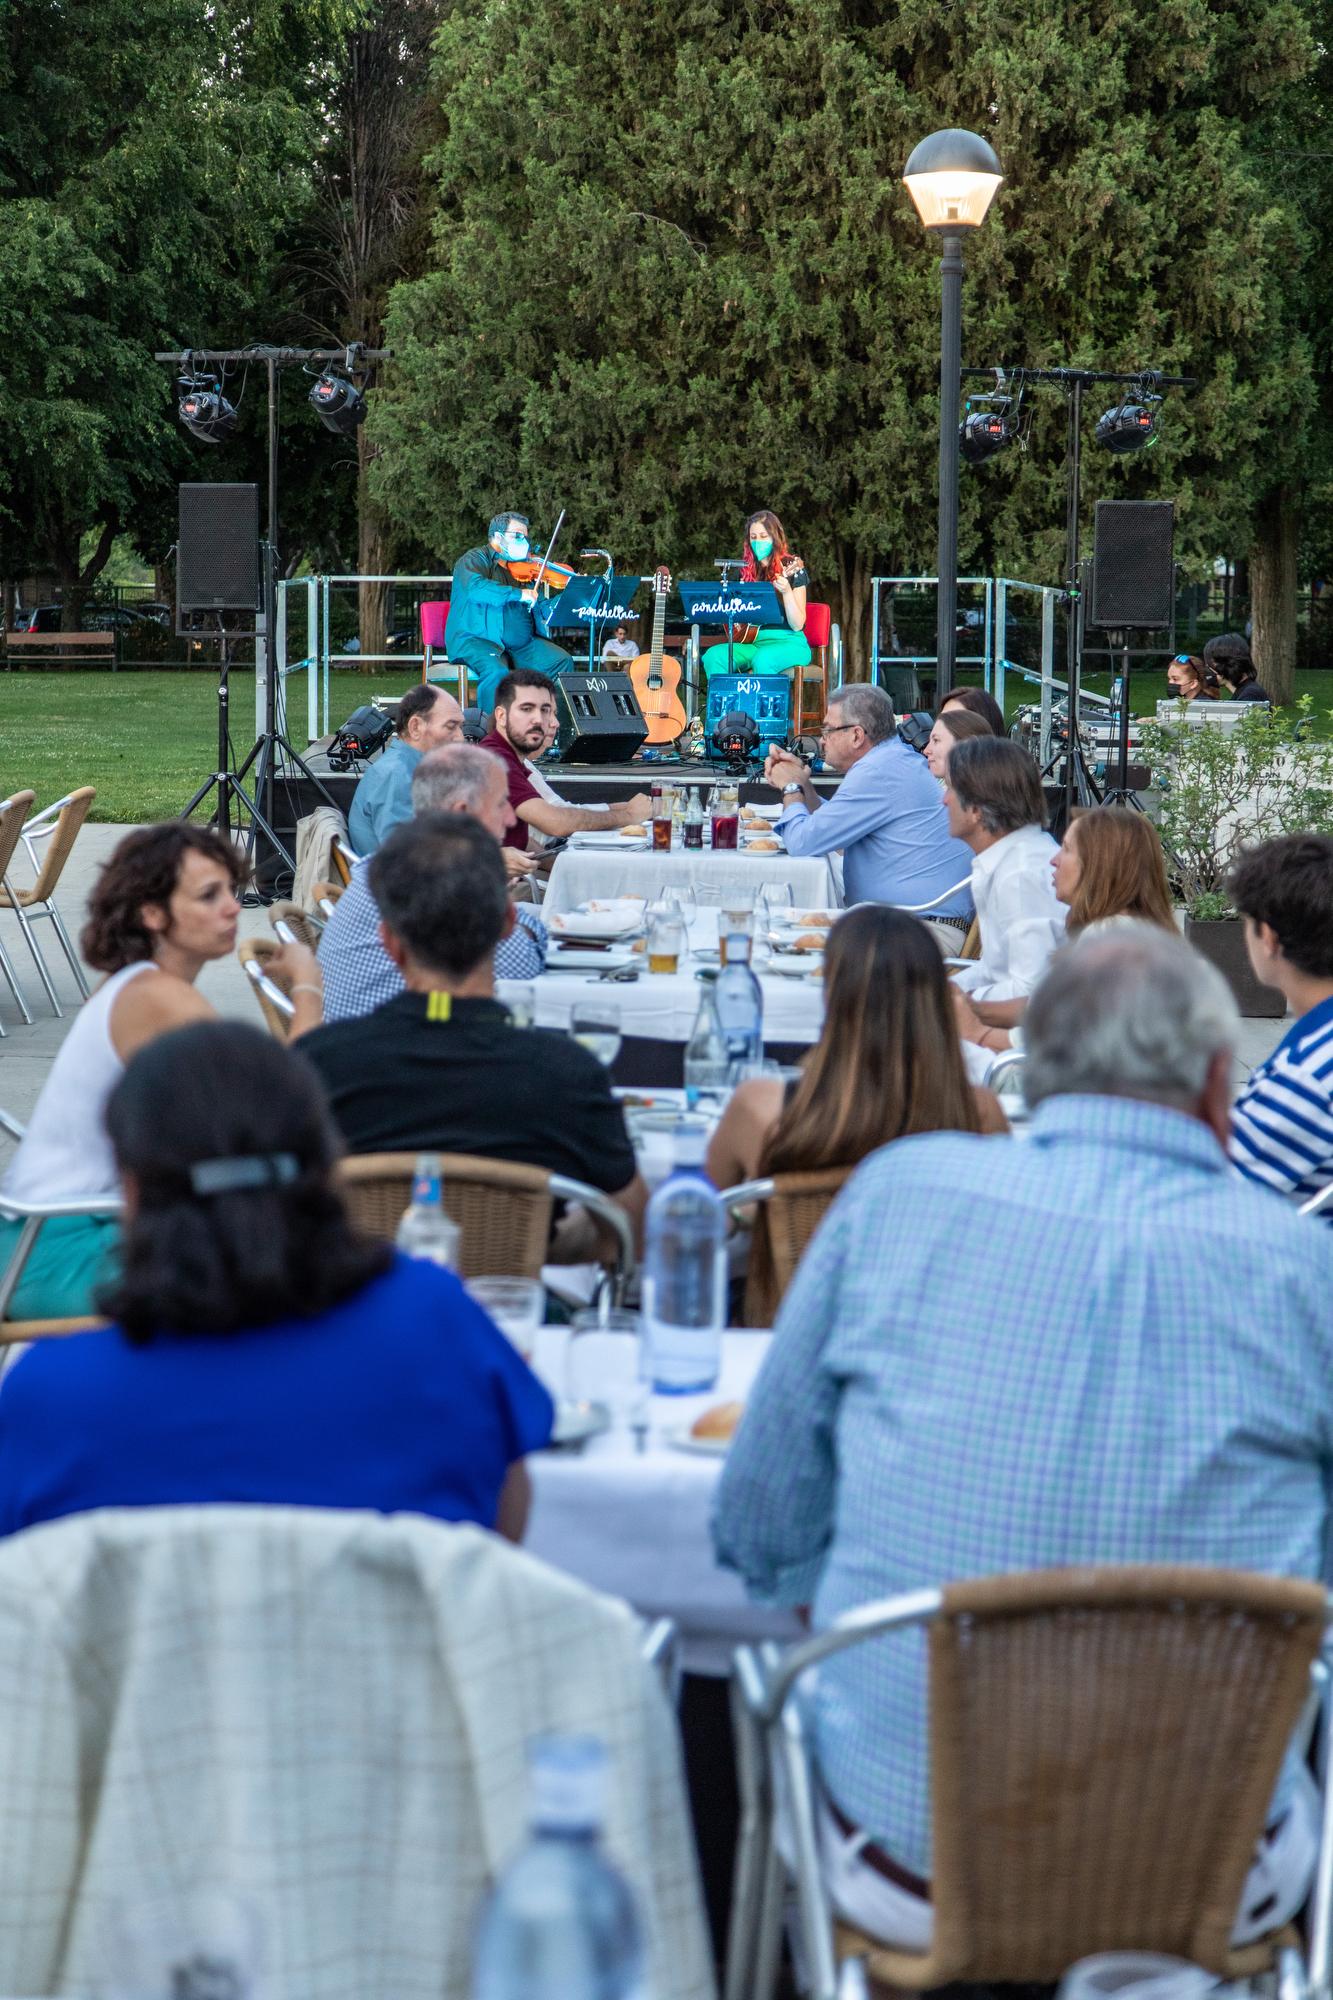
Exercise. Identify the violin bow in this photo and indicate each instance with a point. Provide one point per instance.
(560, 522)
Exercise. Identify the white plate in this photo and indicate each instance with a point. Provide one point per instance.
(681, 1438)
(587, 958)
(794, 964)
(575, 1422)
(593, 839)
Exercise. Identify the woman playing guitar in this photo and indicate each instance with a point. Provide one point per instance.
(768, 649)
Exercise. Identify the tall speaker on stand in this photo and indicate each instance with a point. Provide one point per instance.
(1133, 590)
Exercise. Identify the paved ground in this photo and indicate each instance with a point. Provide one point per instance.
(26, 1053)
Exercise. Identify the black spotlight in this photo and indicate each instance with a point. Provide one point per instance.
(340, 403)
(736, 740)
(982, 434)
(1128, 427)
(205, 411)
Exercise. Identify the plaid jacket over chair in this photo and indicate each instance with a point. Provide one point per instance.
(324, 1713)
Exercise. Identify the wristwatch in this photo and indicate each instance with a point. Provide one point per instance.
(794, 786)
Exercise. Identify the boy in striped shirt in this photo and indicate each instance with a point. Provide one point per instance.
(1282, 1122)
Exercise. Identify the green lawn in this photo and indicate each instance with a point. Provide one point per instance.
(147, 740)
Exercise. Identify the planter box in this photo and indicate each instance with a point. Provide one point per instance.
(1221, 940)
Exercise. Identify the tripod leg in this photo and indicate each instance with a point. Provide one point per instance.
(200, 795)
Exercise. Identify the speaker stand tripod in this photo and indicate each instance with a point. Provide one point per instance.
(232, 796)
(1122, 793)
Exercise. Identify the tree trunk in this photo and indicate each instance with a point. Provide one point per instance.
(1273, 592)
(373, 557)
(852, 610)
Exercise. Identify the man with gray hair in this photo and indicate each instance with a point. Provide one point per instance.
(359, 974)
(887, 815)
(1129, 1363)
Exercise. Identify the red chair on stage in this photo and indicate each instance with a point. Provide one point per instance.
(434, 622)
(812, 682)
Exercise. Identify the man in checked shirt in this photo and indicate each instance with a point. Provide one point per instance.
(1132, 1362)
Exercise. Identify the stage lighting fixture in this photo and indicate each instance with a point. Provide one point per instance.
(340, 403)
(1128, 427)
(982, 433)
(205, 411)
(736, 739)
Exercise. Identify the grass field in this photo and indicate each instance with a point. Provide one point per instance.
(147, 740)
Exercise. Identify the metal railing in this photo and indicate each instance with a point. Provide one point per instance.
(315, 594)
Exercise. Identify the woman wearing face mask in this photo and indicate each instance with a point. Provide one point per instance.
(767, 559)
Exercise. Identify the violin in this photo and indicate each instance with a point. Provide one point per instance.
(526, 569)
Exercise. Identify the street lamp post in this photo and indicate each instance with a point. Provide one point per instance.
(952, 177)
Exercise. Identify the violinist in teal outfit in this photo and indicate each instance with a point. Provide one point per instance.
(490, 616)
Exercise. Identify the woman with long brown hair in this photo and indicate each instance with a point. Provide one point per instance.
(1110, 864)
(1190, 679)
(767, 558)
(888, 1062)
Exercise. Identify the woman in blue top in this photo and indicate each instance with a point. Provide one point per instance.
(263, 1351)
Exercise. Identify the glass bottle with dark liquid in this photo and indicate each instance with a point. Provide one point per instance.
(693, 830)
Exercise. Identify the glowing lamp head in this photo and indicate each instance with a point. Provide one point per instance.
(952, 177)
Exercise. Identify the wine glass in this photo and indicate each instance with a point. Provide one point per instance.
(595, 1026)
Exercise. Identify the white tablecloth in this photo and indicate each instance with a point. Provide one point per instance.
(662, 1006)
(583, 872)
(636, 1524)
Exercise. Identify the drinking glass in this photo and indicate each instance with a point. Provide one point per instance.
(521, 1000)
(595, 1025)
(666, 940)
(604, 1363)
(515, 1304)
(735, 928)
(663, 818)
(682, 899)
(774, 898)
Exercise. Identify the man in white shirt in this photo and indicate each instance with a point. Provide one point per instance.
(620, 646)
(996, 807)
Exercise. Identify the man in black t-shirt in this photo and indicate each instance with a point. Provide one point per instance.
(442, 1067)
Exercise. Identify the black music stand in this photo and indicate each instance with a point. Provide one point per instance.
(731, 604)
(589, 602)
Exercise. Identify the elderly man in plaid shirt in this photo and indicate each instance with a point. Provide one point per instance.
(359, 975)
(1132, 1361)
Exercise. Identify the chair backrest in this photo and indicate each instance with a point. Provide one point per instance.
(818, 623)
(324, 895)
(13, 812)
(502, 1208)
(1104, 1744)
(304, 927)
(301, 1702)
(74, 808)
(342, 858)
(255, 954)
(788, 1210)
(434, 619)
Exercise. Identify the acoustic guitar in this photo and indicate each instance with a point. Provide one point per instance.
(656, 676)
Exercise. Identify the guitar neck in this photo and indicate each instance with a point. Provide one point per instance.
(659, 631)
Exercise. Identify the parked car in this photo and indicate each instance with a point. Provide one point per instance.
(96, 617)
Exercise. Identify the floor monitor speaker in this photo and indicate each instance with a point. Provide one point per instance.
(217, 551)
(1133, 565)
(600, 718)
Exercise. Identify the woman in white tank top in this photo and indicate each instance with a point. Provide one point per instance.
(164, 905)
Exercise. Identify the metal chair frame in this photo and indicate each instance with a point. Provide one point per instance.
(33, 1215)
(771, 1736)
(28, 907)
(272, 1000)
(13, 814)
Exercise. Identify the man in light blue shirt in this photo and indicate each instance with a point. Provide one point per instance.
(358, 973)
(887, 815)
(1131, 1361)
(428, 718)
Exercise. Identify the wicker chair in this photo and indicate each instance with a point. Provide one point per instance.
(789, 1209)
(1104, 1745)
(57, 827)
(304, 926)
(255, 955)
(324, 896)
(13, 812)
(503, 1209)
(343, 859)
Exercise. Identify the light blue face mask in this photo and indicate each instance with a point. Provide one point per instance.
(762, 546)
(516, 546)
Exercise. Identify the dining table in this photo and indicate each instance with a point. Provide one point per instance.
(635, 1522)
(601, 866)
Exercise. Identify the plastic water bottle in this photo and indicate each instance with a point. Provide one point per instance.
(707, 1063)
(426, 1229)
(740, 1013)
(685, 1275)
(560, 1924)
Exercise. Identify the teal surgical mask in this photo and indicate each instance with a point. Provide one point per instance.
(762, 546)
(516, 546)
